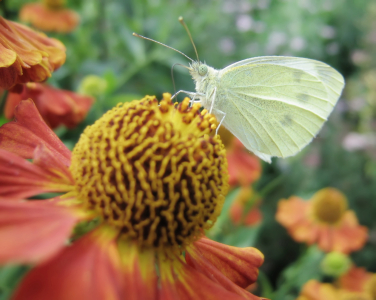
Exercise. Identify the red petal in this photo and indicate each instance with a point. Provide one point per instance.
(240, 265)
(89, 269)
(34, 230)
(195, 259)
(27, 131)
(20, 178)
(181, 281)
(56, 106)
(140, 276)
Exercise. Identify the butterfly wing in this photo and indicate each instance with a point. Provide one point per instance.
(275, 105)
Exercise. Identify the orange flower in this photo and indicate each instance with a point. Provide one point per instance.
(57, 107)
(324, 220)
(50, 15)
(141, 185)
(244, 168)
(26, 55)
(240, 203)
(314, 290)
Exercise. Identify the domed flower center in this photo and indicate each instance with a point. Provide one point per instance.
(329, 205)
(54, 4)
(153, 171)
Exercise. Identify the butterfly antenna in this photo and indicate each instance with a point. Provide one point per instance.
(145, 38)
(172, 74)
(181, 20)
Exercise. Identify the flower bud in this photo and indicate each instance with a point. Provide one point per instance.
(335, 264)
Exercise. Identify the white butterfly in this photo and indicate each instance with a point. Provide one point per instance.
(275, 105)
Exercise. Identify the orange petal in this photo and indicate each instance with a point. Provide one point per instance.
(89, 269)
(183, 282)
(240, 265)
(325, 236)
(139, 269)
(291, 211)
(34, 230)
(195, 259)
(20, 178)
(23, 135)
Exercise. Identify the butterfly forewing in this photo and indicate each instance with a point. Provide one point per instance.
(276, 105)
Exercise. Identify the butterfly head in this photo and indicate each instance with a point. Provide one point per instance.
(198, 70)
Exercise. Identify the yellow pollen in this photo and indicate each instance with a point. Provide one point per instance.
(329, 205)
(54, 4)
(153, 171)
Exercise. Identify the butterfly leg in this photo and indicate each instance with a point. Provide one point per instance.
(212, 96)
(217, 112)
(193, 95)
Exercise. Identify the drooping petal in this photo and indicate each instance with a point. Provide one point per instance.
(27, 131)
(89, 269)
(26, 55)
(195, 259)
(20, 178)
(57, 107)
(183, 282)
(139, 272)
(33, 231)
(240, 265)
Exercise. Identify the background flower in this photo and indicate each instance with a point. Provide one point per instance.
(50, 15)
(324, 220)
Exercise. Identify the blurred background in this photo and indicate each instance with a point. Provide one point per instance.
(338, 32)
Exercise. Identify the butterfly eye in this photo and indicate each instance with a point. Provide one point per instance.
(202, 70)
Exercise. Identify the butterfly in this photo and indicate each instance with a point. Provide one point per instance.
(275, 105)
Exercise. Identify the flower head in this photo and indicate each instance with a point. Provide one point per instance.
(50, 15)
(157, 183)
(56, 106)
(324, 220)
(26, 55)
(142, 184)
